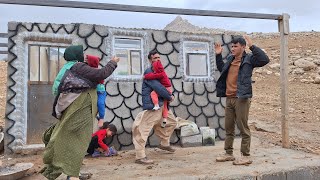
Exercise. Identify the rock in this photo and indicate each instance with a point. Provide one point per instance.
(304, 64)
(208, 137)
(269, 72)
(189, 130)
(298, 71)
(317, 80)
(258, 70)
(305, 81)
(317, 62)
(191, 141)
(308, 59)
(295, 57)
(202, 129)
(275, 66)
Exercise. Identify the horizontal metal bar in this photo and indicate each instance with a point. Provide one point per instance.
(3, 44)
(3, 35)
(40, 82)
(145, 9)
(3, 52)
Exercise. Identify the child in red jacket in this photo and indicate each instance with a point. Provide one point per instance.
(93, 61)
(98, 145)
(161, 75)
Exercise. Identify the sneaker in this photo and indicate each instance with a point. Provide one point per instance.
(243, 160)
(225, 157)
(144, 160)
(95, 154)
(167, 148)
(156, 107)
(82, 176)
(85, 175)
(111, 152)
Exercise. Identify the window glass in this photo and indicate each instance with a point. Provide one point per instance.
(196, 58)
(129, 51)
(45, 62)
(197, 65)
(34, 63)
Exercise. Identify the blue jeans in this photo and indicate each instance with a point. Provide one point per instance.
(102, 95)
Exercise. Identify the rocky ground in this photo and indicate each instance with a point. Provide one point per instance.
(304, 92)
(265, 122)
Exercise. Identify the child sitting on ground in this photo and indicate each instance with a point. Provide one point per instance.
(161, 75)
(98, 145)
(93, 61)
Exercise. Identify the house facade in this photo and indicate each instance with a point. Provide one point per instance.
(35, 55)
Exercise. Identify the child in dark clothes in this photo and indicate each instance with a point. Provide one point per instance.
(98, 145)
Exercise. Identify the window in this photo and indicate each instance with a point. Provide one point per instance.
(196, 58)
(45, 63)
(129, 50)
(196, 64)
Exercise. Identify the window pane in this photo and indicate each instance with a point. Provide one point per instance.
(53, 63)
(127, 43)
(136, 62)
(62, 61)
(34, 63)
(122, 68)
(197, 65)
(44, 63)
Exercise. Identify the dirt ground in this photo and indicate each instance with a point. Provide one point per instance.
(264, 119)
(304, 100)
(189, 163)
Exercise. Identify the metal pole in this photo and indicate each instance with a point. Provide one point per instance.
(145, 9)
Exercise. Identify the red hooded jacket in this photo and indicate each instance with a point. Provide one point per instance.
(101, 134)
(159, 74)
(93, 61)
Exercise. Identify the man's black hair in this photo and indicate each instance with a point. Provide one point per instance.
(239, 40)
(151, 53)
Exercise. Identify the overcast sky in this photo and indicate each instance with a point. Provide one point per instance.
(303, 14)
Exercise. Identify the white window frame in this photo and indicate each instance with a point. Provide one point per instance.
(134, 49)
(110, 50)
(185, 59)
(209, 41)
(42, 44)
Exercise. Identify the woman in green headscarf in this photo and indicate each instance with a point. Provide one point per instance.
(75, 107)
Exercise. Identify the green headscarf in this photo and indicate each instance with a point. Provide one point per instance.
(74, 53)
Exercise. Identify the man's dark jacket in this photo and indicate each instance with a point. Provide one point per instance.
(147, 87)
(257, 58)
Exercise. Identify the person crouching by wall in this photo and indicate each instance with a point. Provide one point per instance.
(98, 146)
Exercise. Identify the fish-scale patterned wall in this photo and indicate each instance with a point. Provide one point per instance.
(195, 99)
